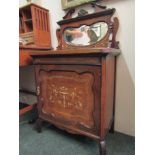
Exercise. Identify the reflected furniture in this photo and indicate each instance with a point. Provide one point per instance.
(34, 27)
(76, 83)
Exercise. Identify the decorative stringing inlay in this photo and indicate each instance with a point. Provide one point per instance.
(69, 95)
(65, 97)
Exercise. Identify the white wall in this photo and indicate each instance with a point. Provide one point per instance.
(24, 2)
(125, 91)
(125, 99)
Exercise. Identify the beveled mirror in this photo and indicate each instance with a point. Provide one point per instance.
(88, 31)
(85, 35)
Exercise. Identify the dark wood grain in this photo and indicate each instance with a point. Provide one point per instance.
(89, 16)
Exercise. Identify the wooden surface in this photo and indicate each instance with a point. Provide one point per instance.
(63, 101)
(55, 80)
(25, 59)
(26, 109)
(75, 85)
(35, 19)
(104, 15)
(73, 102)
(32, 4)
(104, 12)
(107, 94)
(76, 52)
(75, 90)
(35, 47)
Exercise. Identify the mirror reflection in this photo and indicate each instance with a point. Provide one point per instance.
(86, 35)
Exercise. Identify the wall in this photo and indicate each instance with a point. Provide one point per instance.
(24, 2)
(125, 91)
(125, 99)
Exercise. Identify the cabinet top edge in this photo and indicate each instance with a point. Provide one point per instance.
(32, 4)
(76, 52)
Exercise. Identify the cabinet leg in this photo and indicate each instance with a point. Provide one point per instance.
(112, 128)
(32, 121)
(102, 147)
(39, 125)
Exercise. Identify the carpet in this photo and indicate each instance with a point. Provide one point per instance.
(53, 141)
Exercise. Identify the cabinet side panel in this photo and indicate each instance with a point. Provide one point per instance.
(103, 97)
(41, 27)
(110, 69)
(107, 93)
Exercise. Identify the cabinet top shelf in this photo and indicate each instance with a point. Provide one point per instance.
(31, 4)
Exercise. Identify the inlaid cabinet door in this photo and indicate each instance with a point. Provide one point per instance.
(70, 95)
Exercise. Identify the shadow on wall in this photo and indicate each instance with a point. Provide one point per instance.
(125, 99)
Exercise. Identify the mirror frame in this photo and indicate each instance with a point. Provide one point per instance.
(105, 15)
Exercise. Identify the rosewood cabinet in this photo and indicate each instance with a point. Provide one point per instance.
(76, 91)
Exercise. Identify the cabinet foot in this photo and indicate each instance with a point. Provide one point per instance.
(102, 147)
(32, 121)
(39, 125)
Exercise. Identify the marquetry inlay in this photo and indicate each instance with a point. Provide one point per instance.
(66, 97)
(69, 95)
